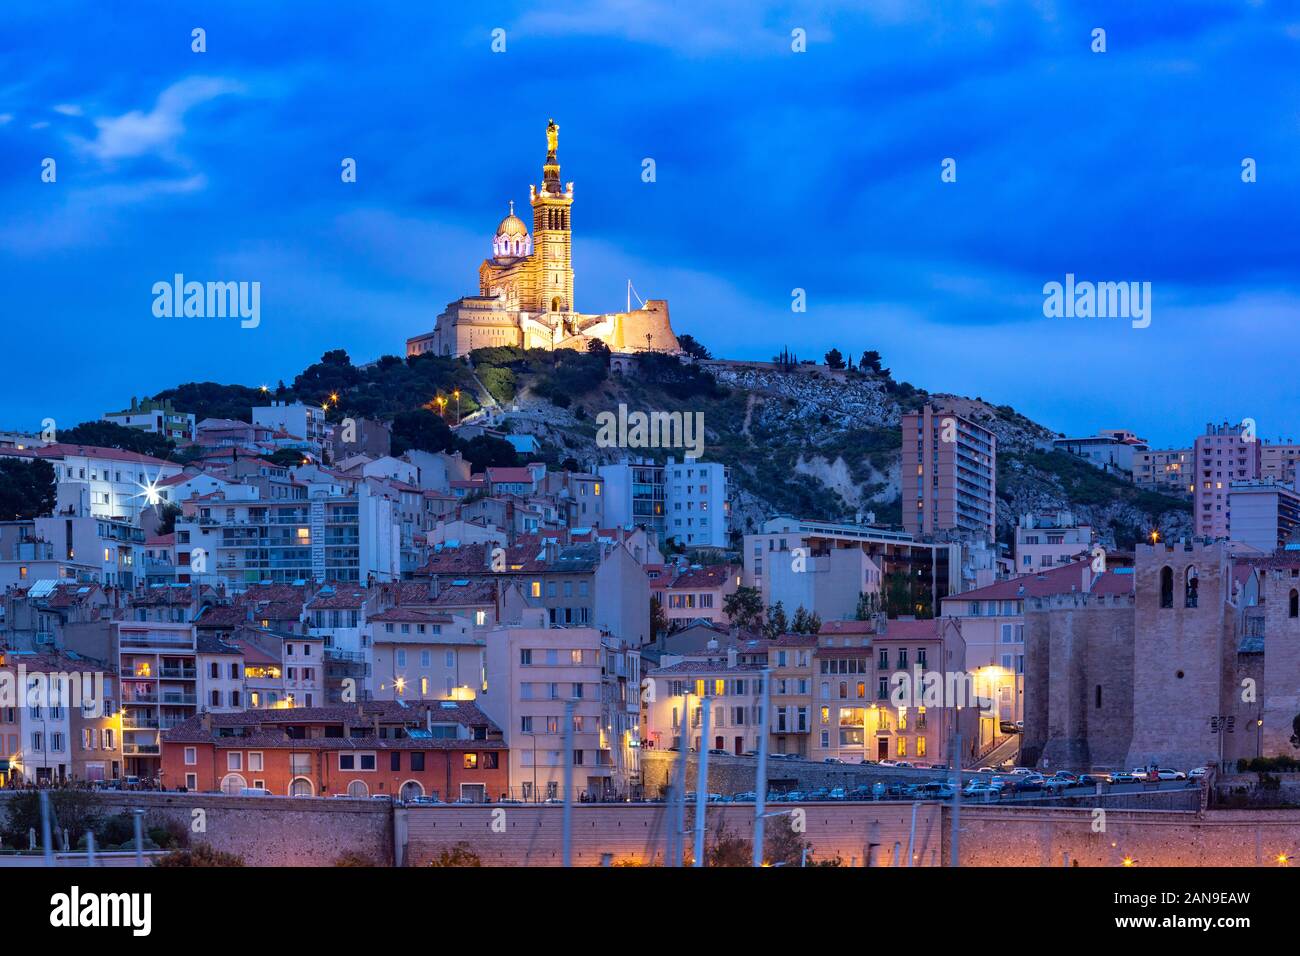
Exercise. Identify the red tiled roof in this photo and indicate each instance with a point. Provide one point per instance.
(418, 615)
(63, 450)
(1062, 580)
(710, 577)
(848, 627)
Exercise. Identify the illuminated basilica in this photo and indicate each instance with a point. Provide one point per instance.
(525, 295)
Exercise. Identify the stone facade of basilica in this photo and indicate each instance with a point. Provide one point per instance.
(526, 289)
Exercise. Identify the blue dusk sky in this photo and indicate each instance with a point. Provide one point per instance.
(776, 170)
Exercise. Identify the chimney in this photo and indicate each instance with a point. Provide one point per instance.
(433, 587)
(731, 657)
(205, 721)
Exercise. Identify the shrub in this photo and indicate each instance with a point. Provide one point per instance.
(459, 855)
(200, 855)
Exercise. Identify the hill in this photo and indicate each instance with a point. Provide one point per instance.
(799, 437)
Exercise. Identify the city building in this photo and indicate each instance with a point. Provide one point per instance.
(304, 422)
(925, 571)
(954, 464)
(158, 418)
(635, 495)
(157, 666)
(1112, 449)
(861, 671)
(698, 593)
(422, 655)
(831, 584)
(101, 482)
(1164, 470)
(697, 504)
(526, 289)
(536, 674)
(1265, 513)
(1049, 539)
(1224, 454)
(447, 750)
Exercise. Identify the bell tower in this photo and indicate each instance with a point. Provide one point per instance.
(552, 238)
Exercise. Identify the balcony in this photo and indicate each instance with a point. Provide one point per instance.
(181, 699)
(178, 673)
(139, 723)
(133, 750)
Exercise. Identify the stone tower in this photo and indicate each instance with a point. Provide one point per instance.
(1184, 654)
(552, 290)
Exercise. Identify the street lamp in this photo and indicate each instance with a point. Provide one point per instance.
(456, 393)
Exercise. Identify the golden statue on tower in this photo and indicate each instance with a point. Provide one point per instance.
(552, 137)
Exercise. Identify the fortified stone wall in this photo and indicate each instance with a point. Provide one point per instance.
(1079, 681)
(268, 831)
(1184, 656)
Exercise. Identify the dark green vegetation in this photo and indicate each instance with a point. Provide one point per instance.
(27, 488)
(112, 435)
(1084, 485)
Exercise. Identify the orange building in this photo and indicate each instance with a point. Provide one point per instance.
(444, 749)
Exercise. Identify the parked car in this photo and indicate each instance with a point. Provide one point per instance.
(794, 796)
(1122, 777)
(888, 763)
(1197, 772)
(986, 770)
(938, 791)
(1028, 782)
(1139, 773)
(1008, 727)
(1162, 774)
(716, 752)
(1056, 784)
(904, 763)
(832, 760)
(254, 792)
(837, 793)
(1091, 779)
(1021, 771)
(749, 796)
(821, 793)
(868, 760)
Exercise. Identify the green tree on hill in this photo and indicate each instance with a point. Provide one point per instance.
(112, 435)
(27, 489)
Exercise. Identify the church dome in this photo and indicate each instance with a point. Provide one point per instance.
(511, 240)
(512, 226)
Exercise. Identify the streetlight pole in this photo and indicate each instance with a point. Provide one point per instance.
(760, 784)
(702, 784)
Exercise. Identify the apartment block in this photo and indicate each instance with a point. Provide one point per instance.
(1165, 470)
(158, 418)
(949, 469)
(535, 676)
(1049, 539)
(1224, 454)
(697, 504)
(1265, 513)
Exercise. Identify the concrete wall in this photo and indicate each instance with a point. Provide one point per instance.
(993, 836)
(270, 831)
(532, 835)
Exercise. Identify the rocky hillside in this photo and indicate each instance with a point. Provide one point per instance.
(810, 441)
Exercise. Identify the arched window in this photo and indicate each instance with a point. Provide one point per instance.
(232, 783)
(410, 790)
(300, 787)
(1294, 610)
(1166, 586)
(1190, 588)
(555, 304)
(358, 788)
